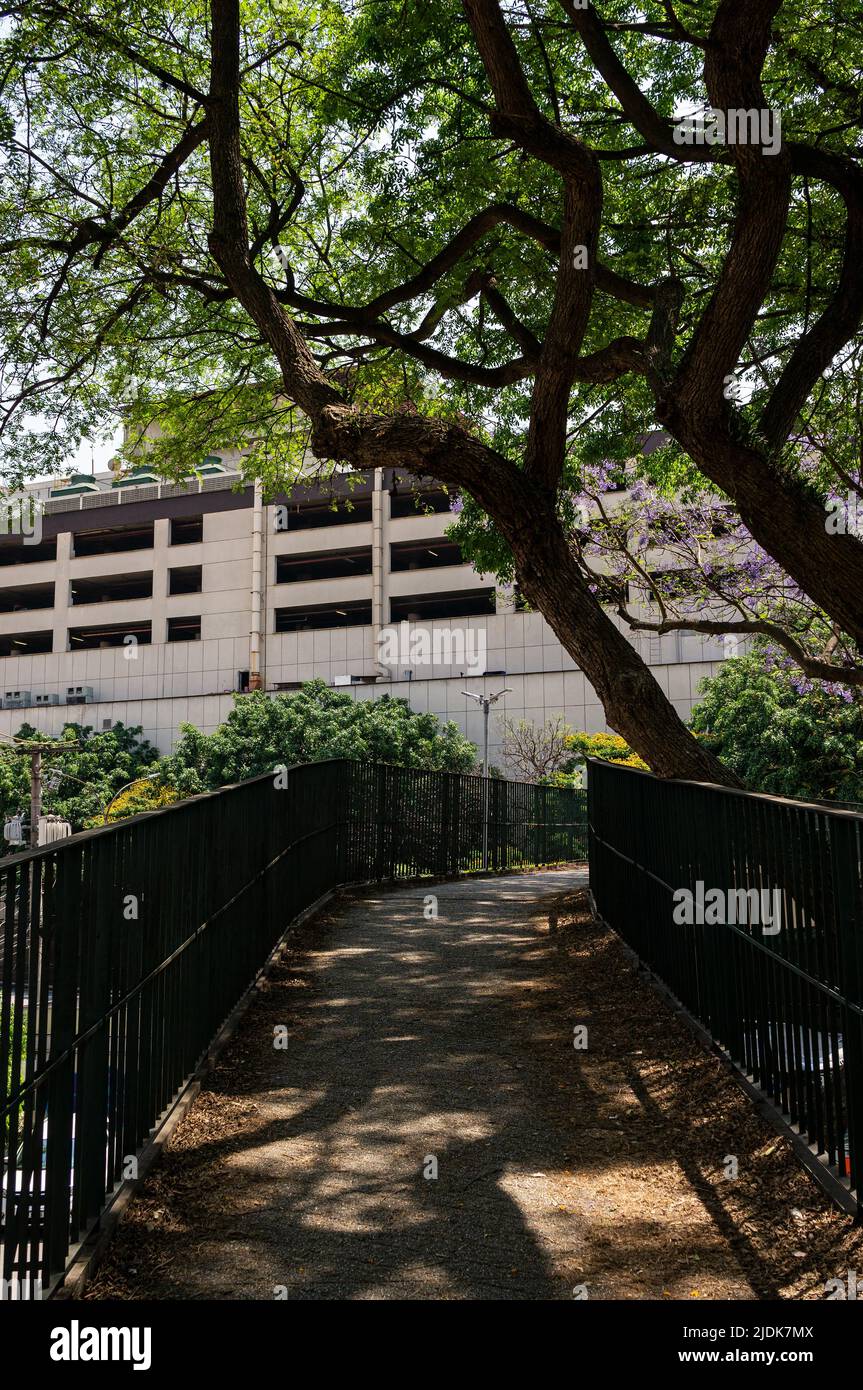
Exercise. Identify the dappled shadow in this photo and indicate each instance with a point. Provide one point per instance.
(418, 1045)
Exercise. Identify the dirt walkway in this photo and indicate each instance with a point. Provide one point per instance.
(418, 1045)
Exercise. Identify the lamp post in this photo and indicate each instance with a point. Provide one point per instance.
(143, 777)
(486, 701)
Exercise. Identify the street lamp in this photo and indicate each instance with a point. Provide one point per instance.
(486, 701)
(143, 777)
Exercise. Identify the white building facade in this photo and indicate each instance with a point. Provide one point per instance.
(152, 603)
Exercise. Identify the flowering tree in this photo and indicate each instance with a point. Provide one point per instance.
(491, 240)
(694, 565)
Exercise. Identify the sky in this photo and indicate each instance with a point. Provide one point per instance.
(95, 457)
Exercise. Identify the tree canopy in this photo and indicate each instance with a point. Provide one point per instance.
(264, 732)
(79, 782)
(782, 733)
(498, 265)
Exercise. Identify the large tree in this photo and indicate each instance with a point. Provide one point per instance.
(497, 259)
(781, 732)
(79, 782)
(311, 725)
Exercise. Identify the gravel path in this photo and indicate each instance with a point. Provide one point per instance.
(418, 1046)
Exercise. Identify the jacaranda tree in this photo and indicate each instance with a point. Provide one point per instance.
(503, 256)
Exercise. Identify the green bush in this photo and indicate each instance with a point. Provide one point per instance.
(781, 733)
(311, 724)
(95, 766)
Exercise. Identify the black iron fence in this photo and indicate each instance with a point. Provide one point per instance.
(407, 823)
(750, 909)
(124, 949)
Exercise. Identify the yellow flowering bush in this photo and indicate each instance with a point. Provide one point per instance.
(610, 747)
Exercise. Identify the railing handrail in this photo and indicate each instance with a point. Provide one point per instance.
(102, 1024)
(94, 831)
(821, 806)
(690, 881)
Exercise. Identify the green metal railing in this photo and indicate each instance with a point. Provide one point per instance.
(124, 949)
(783, 998)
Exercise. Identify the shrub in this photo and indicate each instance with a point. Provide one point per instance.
(781, 733)
(610, 747)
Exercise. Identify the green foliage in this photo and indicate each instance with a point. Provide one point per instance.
(97, 766)
(779, 734)
(261, 732)
(366, 138)
(13, 1081)
(572, 780)
(366, 148)
(309, 725)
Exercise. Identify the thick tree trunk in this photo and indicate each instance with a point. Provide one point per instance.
(521, 506)
(635, 705)
(782, 515)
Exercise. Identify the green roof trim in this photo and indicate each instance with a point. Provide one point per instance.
(139, 477)
(78, 483)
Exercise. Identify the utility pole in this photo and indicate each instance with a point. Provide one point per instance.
(34, 752)
(35, 795)
(486, 701)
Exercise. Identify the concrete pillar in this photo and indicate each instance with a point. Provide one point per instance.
(161, 561)
(256, 596)
(62, 595)
(380, 568)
